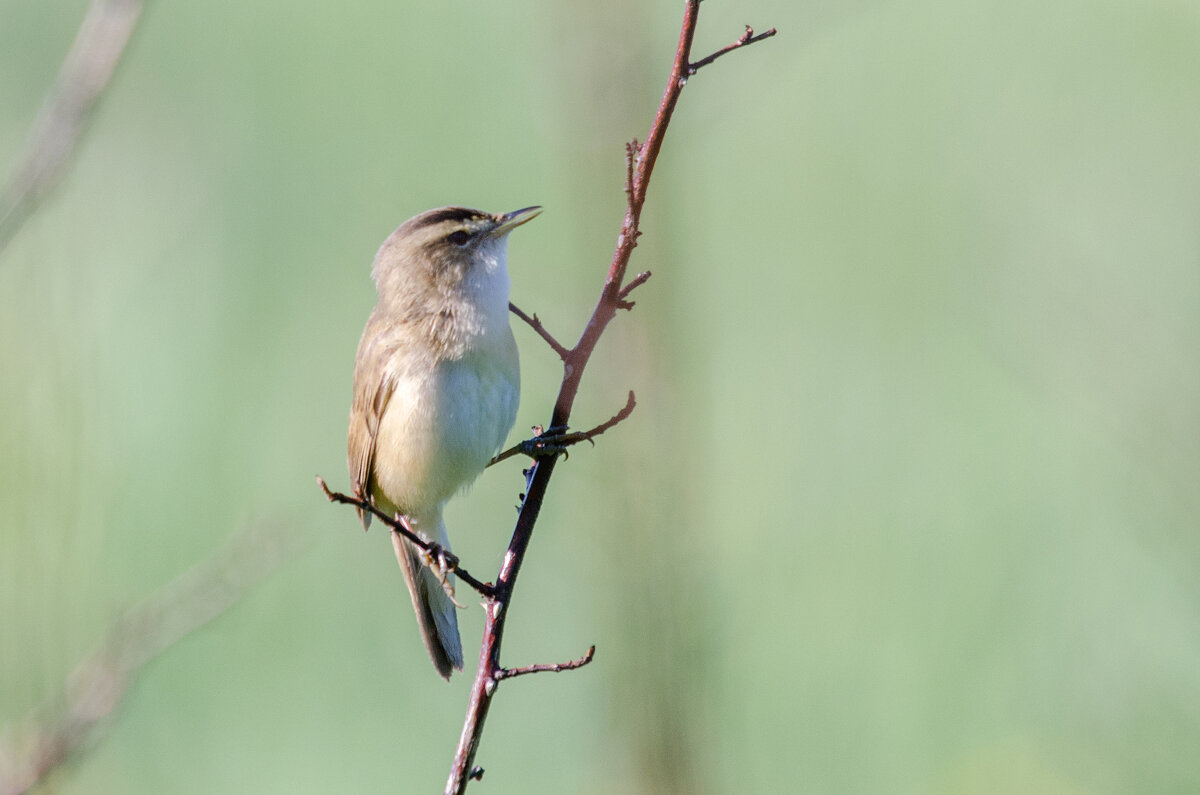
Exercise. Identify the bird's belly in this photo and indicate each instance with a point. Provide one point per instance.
(441, 428)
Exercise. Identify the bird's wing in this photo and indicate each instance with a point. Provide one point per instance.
(372, 391)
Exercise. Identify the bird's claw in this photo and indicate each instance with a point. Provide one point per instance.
(442, 562)
(551, 442)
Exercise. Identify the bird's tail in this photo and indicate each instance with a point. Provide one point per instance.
(435, 610)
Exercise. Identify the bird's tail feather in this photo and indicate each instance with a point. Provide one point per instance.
(435, 610)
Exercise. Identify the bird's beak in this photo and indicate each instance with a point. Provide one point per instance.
(510, 221)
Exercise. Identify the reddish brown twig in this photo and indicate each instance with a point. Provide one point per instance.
(633, 284)
(746, 38)
(570, 665)
(537, 326)
(640, 160)
(399, 525)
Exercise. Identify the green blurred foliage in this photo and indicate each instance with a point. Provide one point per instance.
(909, 502)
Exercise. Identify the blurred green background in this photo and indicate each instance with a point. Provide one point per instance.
(909, 503)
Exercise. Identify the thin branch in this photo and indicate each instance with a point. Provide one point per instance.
(570, 665)
(55, 135)
(631, 285)
(587, 436)
(747, 38)
(398, 524)
(545, 445)
(537, 326)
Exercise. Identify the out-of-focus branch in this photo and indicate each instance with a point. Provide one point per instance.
(56, 133)
(51, 736)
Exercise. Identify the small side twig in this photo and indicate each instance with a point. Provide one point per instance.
(446, 559)
(570, 665)
(619, 417)
(746, 38)
(537, 326)
(633, 284)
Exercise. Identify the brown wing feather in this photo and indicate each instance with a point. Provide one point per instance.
(371, 394)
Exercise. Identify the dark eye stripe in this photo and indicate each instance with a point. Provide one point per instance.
(447, 214)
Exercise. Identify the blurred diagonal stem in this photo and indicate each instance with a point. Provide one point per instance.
(57, 733)
(55, 135)
(640, 160)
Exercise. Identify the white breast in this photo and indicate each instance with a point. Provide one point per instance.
(444, 422)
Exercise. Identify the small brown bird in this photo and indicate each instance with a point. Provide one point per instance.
(436, 387)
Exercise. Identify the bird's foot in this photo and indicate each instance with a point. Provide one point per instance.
(442, 563)
(551, 442)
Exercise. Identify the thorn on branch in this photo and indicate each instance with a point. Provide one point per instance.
(570, 665)
(476, 773)
(746, 38)
(536, 325)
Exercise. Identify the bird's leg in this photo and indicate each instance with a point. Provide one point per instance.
(549, 442)
(441, 562)
(554, 441)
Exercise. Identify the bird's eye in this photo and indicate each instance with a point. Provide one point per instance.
(458, 238)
